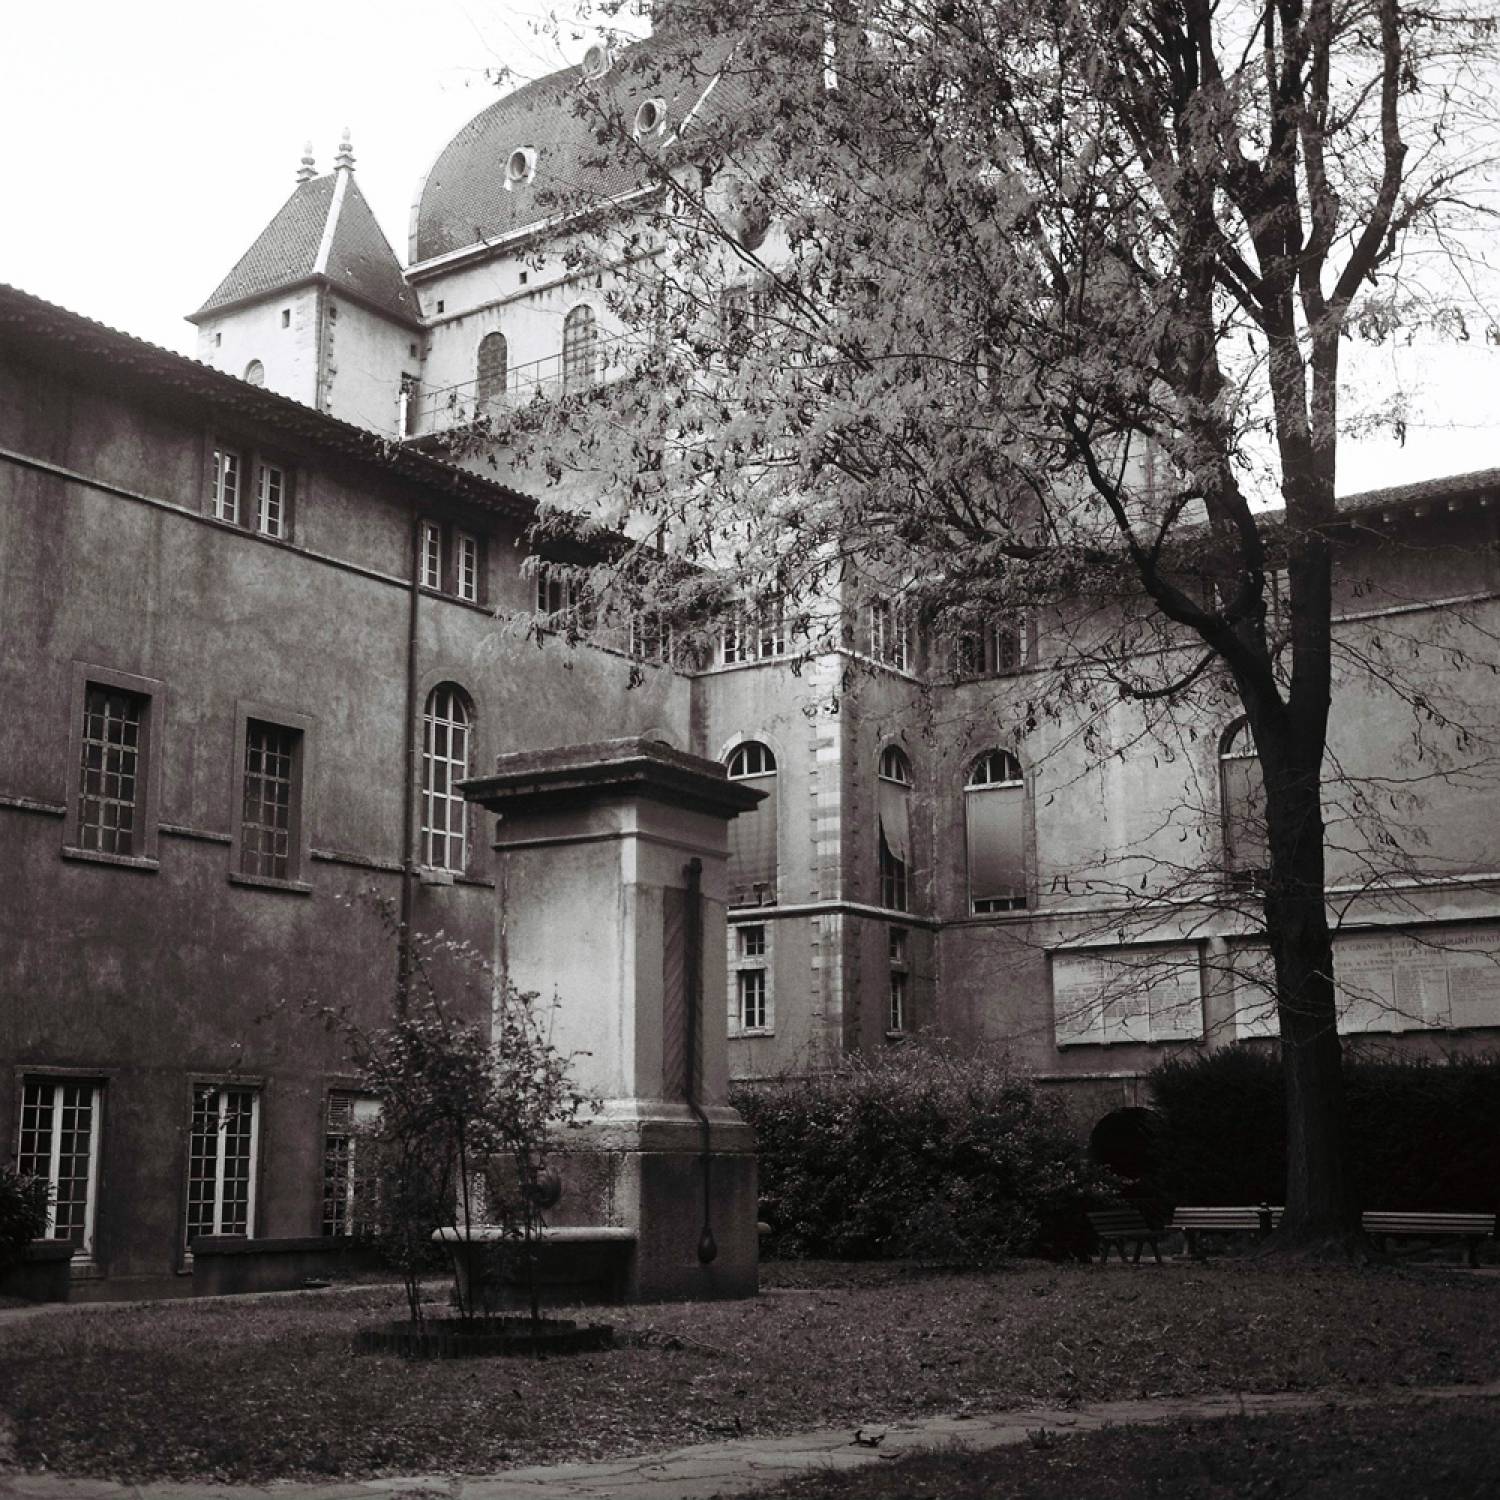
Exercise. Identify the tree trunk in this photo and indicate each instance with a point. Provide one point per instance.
(1321, 1211)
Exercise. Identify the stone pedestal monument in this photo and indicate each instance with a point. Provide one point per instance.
(611, 886)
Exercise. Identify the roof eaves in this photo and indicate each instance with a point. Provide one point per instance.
(515, 239)
(125, 353)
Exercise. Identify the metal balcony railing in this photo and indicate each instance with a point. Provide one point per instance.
(605, 360)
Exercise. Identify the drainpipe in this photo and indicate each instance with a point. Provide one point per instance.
(409, 781)
(708, 1248)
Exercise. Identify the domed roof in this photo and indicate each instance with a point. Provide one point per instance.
(565, 121)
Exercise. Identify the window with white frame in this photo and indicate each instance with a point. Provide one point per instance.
(466, 566)
(648, 637)
(430, 559)
(890, 634)
(893, 794)
(450, 560)
(1247, 850)
(994, 827)
(223, 1143)
(270, 499)
(250, 489)
(752, 835)
(59, 1142)
(446, 726)
(224, 486)
(347, 1178)
(754, 632)
(750, 994)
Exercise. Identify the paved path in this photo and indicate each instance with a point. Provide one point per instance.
(741, 1466)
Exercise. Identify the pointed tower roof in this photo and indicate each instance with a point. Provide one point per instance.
(324, 232)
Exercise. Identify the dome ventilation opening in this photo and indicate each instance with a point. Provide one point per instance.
(521, 167)
(597, 59)
(650, 117)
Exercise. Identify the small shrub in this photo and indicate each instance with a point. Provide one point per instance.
(23, 1214)
(925, 1152)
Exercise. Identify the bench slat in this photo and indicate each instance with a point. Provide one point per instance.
(1382, 1222)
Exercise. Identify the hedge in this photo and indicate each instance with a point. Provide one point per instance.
(23, 1214)
(924, 1152)
(1422, 1135)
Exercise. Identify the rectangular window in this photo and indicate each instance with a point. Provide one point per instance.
(269, 807)
(59, 1141)
(754, 634)
(994, 829)
(554, 593)
(900, 963)
(897, 1018)
(752, 990)
(270, 500)
(113, 797)
(750, 998)
(649, 637)
(890, 635)
(466, 566)
(250, 489)
(347, 1182)
(111, 777)
(222, 1149)
(225, 492)
(430, 566)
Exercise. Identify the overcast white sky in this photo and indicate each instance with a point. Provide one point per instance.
(147, 145)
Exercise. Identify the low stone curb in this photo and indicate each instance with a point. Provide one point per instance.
(742, 1465)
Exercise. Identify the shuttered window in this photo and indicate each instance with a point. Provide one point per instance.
(1247, 854)
(893, 802)
(752, 835)
(994, 825)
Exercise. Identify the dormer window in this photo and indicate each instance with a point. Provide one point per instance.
(521, 167)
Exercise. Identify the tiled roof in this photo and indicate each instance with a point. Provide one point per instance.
(360, 261)
(57, 339)
(464, 199)
(1453, 487)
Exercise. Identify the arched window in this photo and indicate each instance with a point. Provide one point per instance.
(446, 727)
(255, 373)
(493, 367)
(580, 348)
(994, 823)
(1247, 854)
(893, 793)
(752, 835)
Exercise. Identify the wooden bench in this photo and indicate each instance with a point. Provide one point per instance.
(1251, 1219)
(1471, 1228)
(1116, 1225)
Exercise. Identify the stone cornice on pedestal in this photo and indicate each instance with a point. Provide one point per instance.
(532, 781)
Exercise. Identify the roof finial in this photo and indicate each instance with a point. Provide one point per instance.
(309, 168)
(344, 161)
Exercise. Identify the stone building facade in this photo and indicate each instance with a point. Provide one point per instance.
(254, 626)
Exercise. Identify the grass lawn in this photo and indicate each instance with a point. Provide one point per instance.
(1447, 1450)
(249, 1391)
